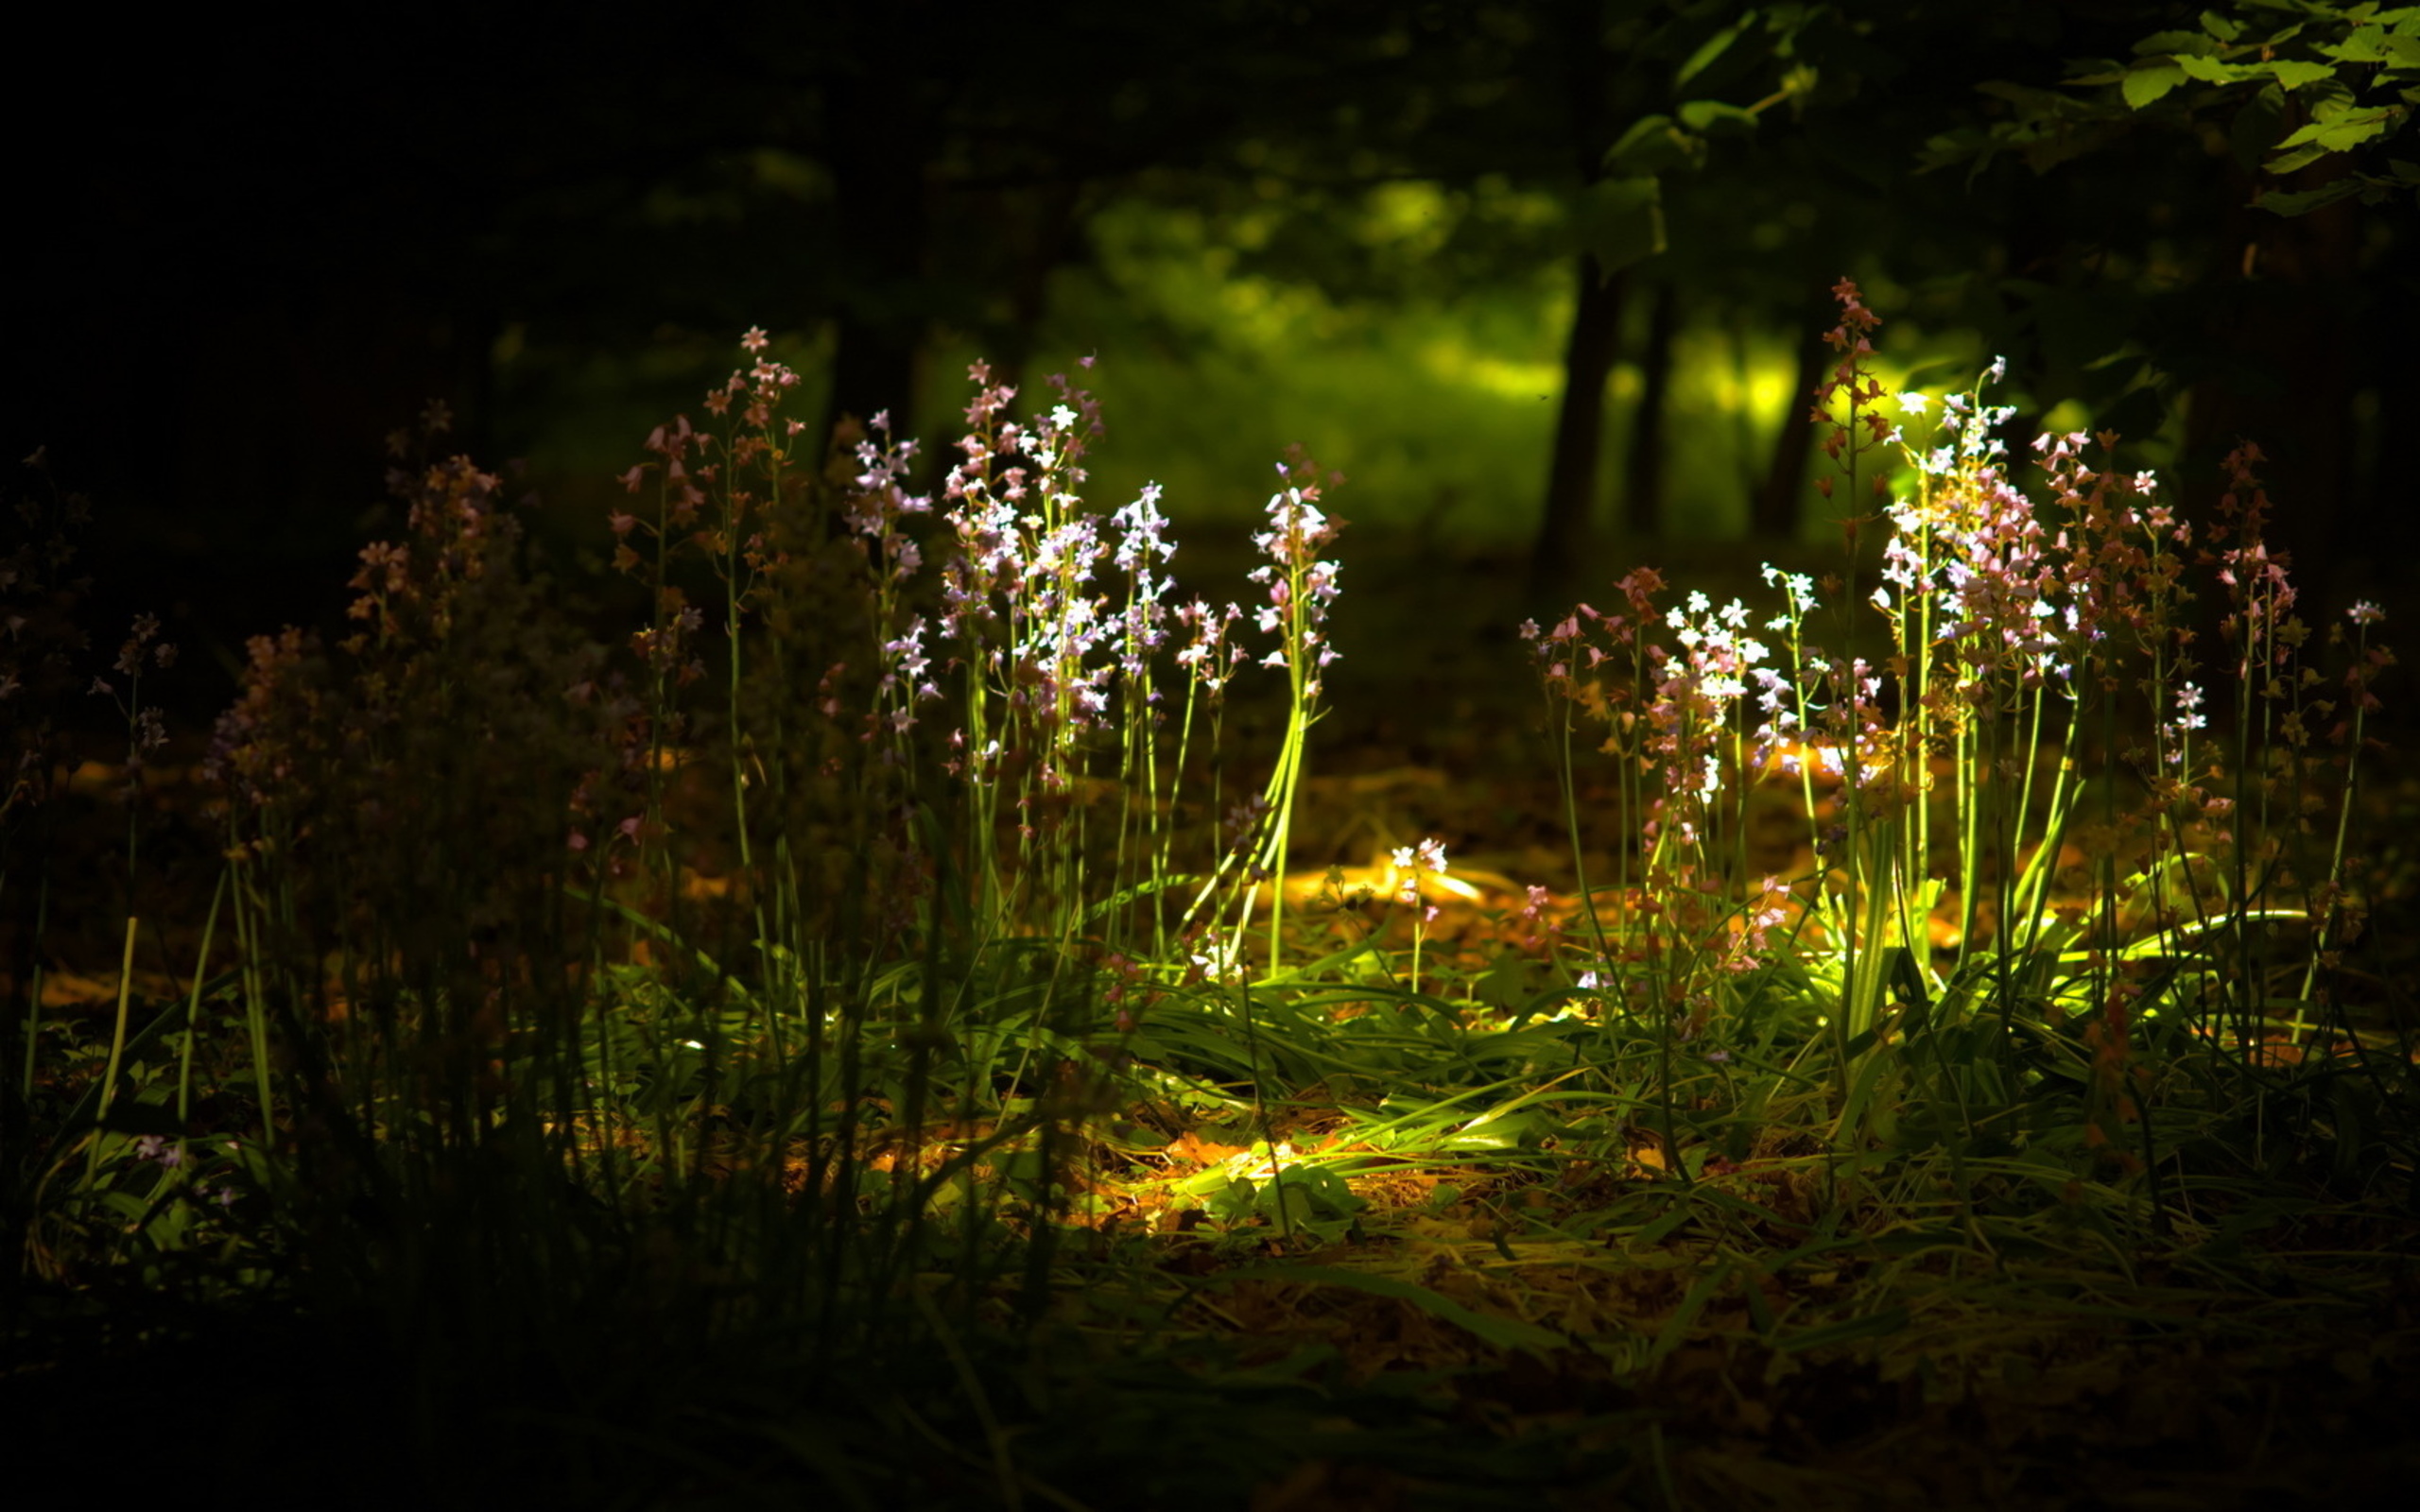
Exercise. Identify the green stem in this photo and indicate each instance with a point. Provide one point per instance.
(193, 1009)
(117, 1051)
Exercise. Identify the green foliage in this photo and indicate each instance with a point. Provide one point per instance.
(2302, 85)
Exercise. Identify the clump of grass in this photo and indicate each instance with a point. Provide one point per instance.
(1956, 746)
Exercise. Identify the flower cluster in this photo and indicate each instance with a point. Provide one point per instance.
(1964, 567)
(1409, 862)
(1019, 594)
(409, 591)
(1697, 692)
(1863, 427)
(1301, 585)
(1568, 657)
(877, 514)
(1540, 923)
(1208, 655)
(265, 741)
(144, 730)
(1143, 548)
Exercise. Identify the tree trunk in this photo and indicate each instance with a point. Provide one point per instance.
(1776, 512)
(1051, 231)
(879, 157)
(1563, 538)
(873, 357)
(2288, 385)
(1643, 470)
(1559, 554)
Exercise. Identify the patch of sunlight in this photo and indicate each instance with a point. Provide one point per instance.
(1498, 202)
(1415, 216)
(1450, 359)
(1265, 313)
(2065, 417)
(1757, 388)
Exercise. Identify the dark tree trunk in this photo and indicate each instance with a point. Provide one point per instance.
(880, 152)
(1643, 470)
(1050, 233)
(2379, 512)
(2287, 384)
(1559, 554)
(1774, 513)
(874, 358)
(1563, 532)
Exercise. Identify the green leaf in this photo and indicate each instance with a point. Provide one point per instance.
(2304, 201)
(1873, 1325)
(1621, 220)
(2220, 26)
(2210, 71)
(1310, 1191)
(1709, 51)
(1651, 146)
(2373, 45)
(1504, 1332)
(2327, 99)
(1655, 1232)
(2298, 157)
(2189, 43)
(2146, 82)
(1233, 1201)
(2341, 132)
(126, 1205)
(1717, 118)
(1676, 1328)
(2295, 75)
(2254, 127)
(1511, 1131)
(1213, 1181)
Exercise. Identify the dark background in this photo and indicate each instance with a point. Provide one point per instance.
(242, 251)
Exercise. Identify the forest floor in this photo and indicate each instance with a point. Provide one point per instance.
(1788, 1331)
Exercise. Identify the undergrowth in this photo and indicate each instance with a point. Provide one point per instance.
(862, 1032)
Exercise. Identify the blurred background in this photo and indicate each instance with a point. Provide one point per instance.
(1545, 279)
